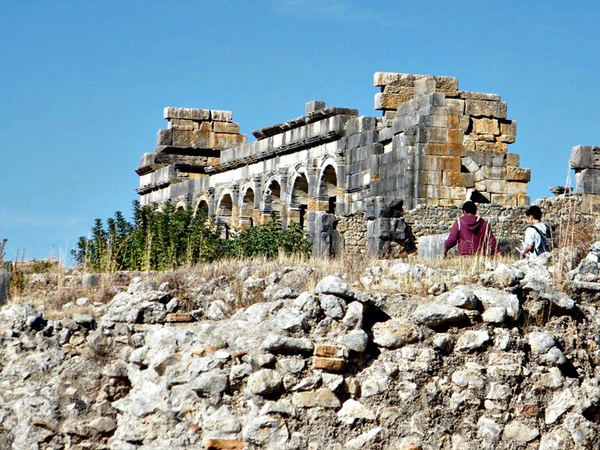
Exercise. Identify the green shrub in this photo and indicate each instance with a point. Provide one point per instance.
(166, 237)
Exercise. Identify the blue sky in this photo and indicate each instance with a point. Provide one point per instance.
(83, 85)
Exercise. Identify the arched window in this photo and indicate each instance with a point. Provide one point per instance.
(299, 200)
(328, 188)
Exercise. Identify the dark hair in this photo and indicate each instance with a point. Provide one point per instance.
(534, 211)
(469, 207)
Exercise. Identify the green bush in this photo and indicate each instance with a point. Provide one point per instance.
(166, 237)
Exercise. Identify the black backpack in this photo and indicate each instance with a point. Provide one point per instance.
(545, 241)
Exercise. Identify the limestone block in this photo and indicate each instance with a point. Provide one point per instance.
(436, 121)
(487, 158)
(173, 158)
(485, 108)
(317, 129)
(587, 181)
(179, 317)
(429, 191)
(221, 116)
(444, 149)
(379, 227)
(518, 174)
(181, 124)
(330, 351)
(508, 131)
(467, 180)
(408, 108)
(458, 105)
(432, 104)
(590, 204)
(187, 138)
(226, 140)
(433, 177)
(164, 137)
(204, 126)
(384, 101)
(226, 127)
(479, 96)
(469, 164)
(496, 186)
(314, 105)
(385, 78)
(147, 159)
(329, 364)
(513, 159)
(447, 85)
(452, 178)
(424, 86)
(494, 173)
(516, 187)
(186, 113)
(480, 186)
(336, 124)
(430, 247)
(498, 198)
(484, 146)
(404, 122)
(323, 398)
(164, 175)
(434, 135)
(486, 126)
(469, 143)
(224, 444)
(582, 157)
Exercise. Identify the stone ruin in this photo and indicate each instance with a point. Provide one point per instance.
(433, 145)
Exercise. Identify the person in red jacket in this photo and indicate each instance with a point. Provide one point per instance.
(472, 233)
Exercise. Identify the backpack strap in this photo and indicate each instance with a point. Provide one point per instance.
(545, 236)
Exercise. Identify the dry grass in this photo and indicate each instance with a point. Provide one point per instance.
(60, 286)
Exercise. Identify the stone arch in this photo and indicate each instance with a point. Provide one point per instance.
(225, 209)
(272, 202)
(201, 203)
(328, 187)
(247, 208)
(299, 199)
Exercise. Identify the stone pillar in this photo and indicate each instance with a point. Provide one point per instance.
(235, 209)
(4, 285)
(327, 241)
(210, 199)
(283, 195)
(585, 160)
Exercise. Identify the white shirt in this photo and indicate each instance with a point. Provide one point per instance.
(532, 237)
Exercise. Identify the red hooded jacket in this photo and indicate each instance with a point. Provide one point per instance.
(474, 236)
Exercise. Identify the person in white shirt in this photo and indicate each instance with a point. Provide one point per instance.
(537, 238)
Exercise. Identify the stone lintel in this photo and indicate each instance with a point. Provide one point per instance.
(315, 116)
(190, 151)
(197, 114)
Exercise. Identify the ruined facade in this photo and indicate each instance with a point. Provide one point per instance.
(433, 145)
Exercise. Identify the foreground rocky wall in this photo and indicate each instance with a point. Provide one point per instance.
(407, 357)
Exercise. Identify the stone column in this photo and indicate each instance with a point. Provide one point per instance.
(4, 285)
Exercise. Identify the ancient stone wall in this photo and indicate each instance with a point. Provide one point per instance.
(434, 145)
(574, 216)
(585, 160)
